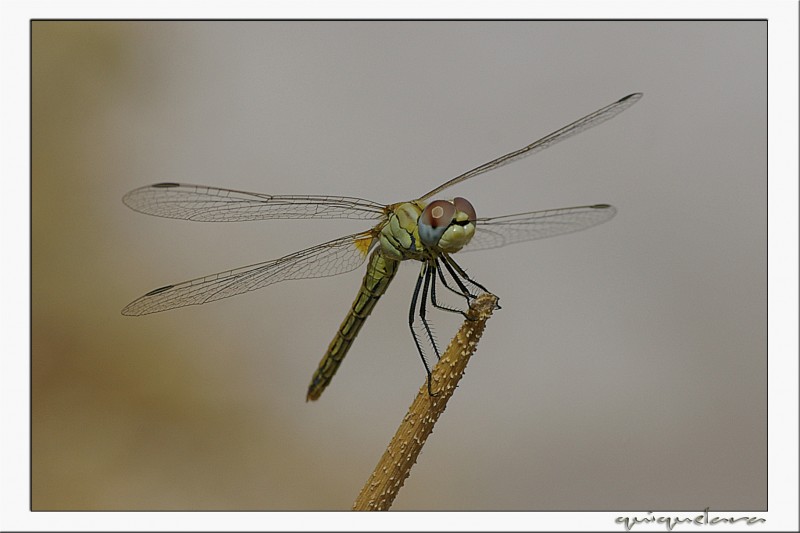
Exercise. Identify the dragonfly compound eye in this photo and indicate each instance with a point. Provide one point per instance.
(463, 205)
(434, 221)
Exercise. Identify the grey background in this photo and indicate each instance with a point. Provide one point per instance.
(626, 370)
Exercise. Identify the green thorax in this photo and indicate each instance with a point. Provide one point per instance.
(399, 237)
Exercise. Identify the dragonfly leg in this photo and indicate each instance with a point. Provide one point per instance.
(423, 309)
(459, 273)
(464, 291)
(463, 273)
(435, 266)
(412, 318)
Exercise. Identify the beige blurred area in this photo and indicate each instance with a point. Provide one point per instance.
(626, 370)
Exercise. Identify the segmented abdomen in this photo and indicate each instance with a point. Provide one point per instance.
(380, 271)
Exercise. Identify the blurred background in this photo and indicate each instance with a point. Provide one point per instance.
(626, 370)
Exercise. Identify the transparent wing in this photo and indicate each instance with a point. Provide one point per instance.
(328, 259)
(500, 231)
(589, 121)
(212, 204)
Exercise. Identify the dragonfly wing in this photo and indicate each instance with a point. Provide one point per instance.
(501, 231)
(328, 259)
(213, 204)
(580, 125)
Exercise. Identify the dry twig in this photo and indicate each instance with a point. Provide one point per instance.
(394, 467)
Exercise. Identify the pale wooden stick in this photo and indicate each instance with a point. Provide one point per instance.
(394, 467)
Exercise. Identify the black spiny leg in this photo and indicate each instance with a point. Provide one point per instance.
(412, 317)
(450, 263)
(465, 292)
(423, 309)
(435, 266)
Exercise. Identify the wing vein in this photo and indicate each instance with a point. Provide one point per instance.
(580, 125)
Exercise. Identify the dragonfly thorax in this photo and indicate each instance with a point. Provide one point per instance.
(414, 231)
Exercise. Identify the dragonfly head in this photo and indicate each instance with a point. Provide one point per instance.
(447, 225)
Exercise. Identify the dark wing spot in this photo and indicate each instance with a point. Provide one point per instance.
(160, 289)
(166, 185)
(600, 206)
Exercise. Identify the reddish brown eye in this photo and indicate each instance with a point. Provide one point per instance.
(434, 221)
(463, 205)
(438, 213)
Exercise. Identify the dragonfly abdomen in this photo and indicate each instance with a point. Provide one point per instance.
(380, 272)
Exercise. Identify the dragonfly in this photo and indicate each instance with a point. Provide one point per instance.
(424, 230)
